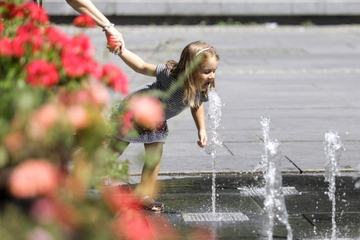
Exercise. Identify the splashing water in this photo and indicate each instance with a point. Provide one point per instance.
(214, 138)
(274, 203)
(265, 123)
(333, 148)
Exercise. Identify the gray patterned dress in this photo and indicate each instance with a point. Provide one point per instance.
(170, 92)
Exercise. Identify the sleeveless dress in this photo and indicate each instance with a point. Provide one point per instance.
(170, 92)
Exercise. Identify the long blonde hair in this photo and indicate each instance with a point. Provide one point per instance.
(192, 56)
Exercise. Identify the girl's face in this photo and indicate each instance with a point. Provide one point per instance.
(206, 73)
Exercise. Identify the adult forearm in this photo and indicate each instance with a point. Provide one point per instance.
(86, 6)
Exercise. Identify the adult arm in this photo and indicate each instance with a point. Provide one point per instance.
(198, 114)
(87, 7)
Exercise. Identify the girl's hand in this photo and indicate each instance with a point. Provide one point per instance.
(202, 138)
(115, 43)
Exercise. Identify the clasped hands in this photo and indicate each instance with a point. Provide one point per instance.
(115, 41)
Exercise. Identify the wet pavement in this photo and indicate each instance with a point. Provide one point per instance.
(308, 205)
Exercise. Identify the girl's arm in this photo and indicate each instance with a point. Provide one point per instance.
(137, 63)
(199, 118)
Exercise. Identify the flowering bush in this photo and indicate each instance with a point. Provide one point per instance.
(53, 93)
(52, 134)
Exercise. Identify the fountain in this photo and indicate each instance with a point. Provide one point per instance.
(214, 114)
(214, 139)
(274, 203)
(265, 123)
(274, 195)
(333, 148)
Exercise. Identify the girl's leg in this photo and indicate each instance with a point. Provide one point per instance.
(117, 145)
(153, 154)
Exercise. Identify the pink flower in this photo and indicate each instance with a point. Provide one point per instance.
(43, 211)
(84, 21)
(99, 94)
(147, 111)
(42, 120)
(34, 177)
(70, 98)
(43, 73)
(115, 77)
(78, 117)
(14, 141)
(40, 234)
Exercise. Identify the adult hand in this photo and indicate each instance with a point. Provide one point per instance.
(115, 40)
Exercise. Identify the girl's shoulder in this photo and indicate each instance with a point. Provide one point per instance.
(163, 72)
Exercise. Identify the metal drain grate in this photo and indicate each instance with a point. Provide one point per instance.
(214, 217)
(252, 192)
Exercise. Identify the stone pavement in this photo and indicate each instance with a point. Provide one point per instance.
(305, 78)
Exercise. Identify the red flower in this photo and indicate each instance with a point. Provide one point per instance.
(132, 224)
(81, 46)
(120, 200)
(17, 47)
(5, 47)
(14, 11)
(35, 12)
(32, 35)
(148, 111)
(56, 37)
(2, 26)
(40, 72)
(32, 178)
(74, 65)
(77, 57)
(115, 77)
(126, 123)
(84, 21)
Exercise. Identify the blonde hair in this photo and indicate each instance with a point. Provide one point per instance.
(192, 56)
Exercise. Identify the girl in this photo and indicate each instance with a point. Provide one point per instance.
(178, 85)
